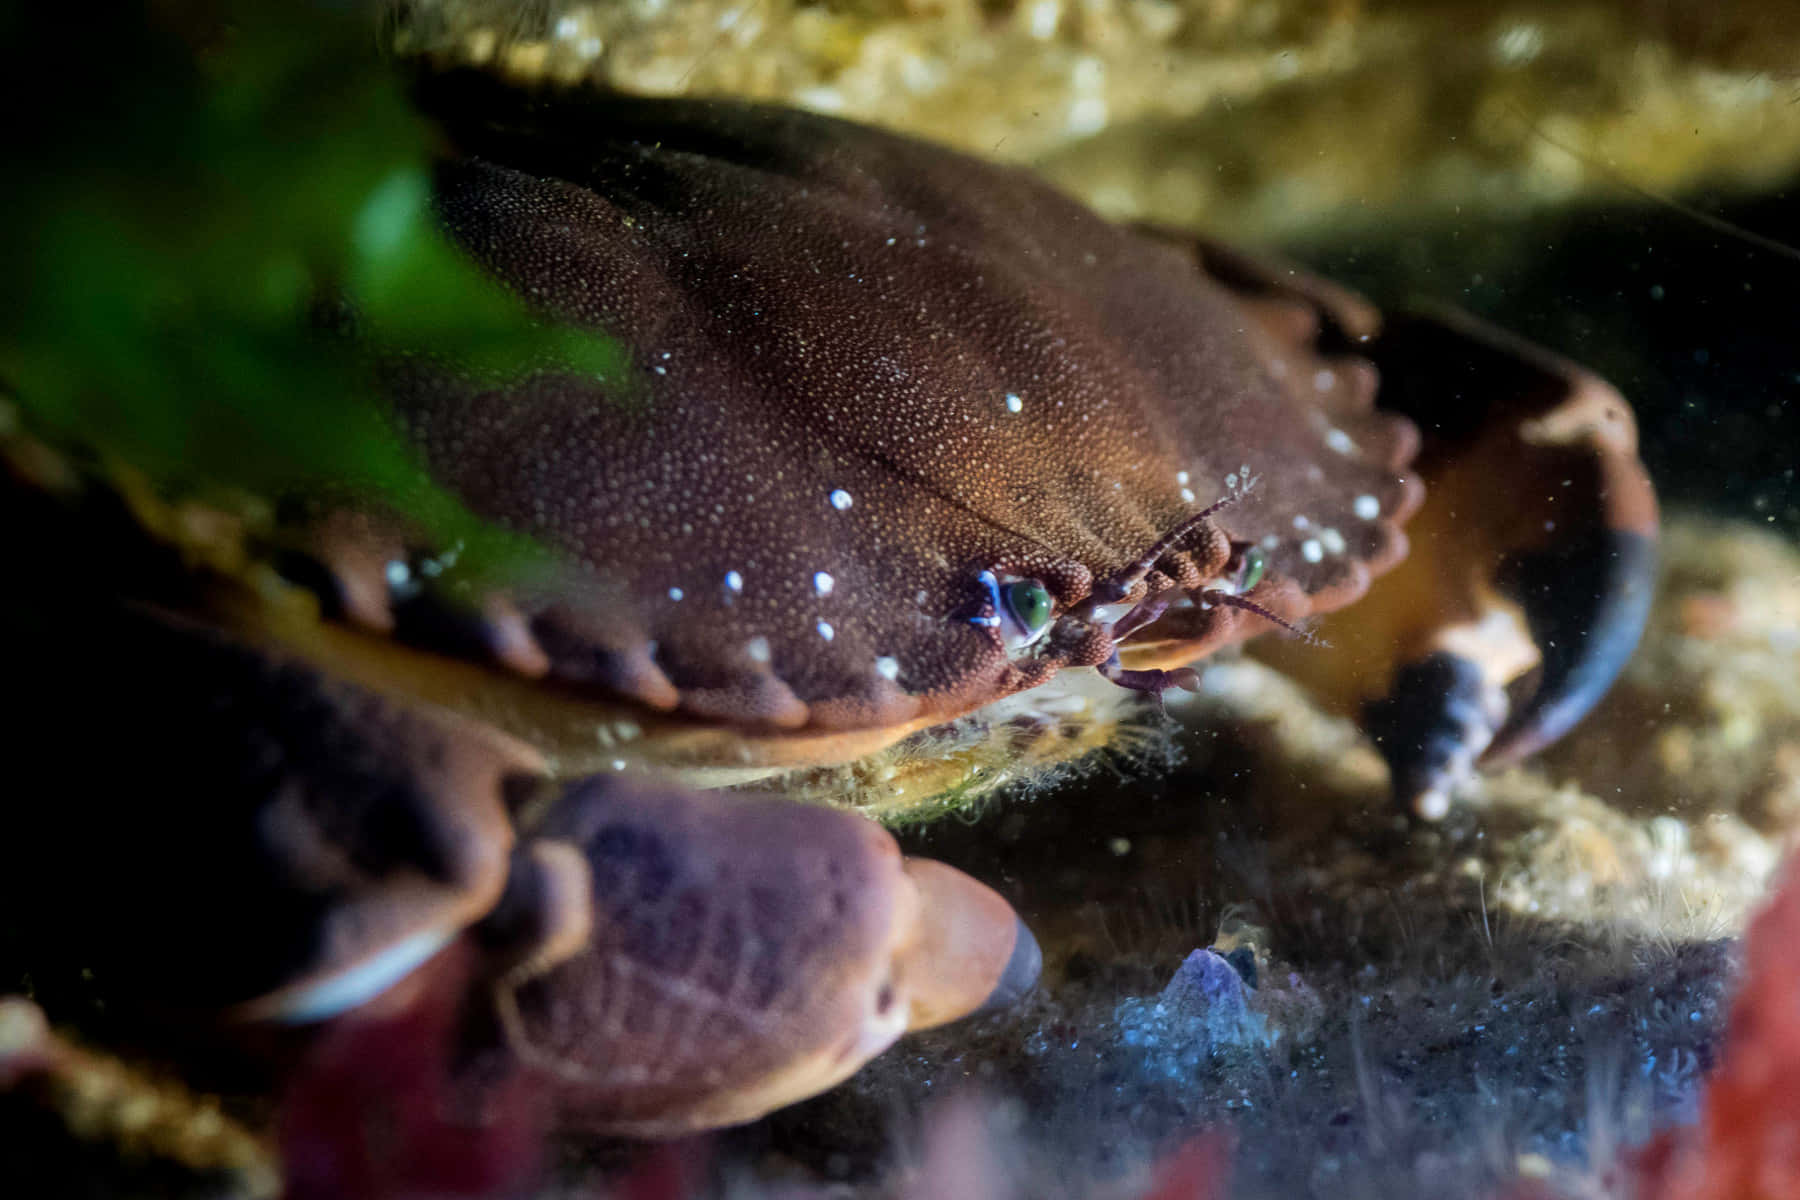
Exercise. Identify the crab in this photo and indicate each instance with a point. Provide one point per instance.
(914, 457)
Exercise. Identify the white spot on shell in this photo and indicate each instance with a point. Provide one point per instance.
(1366, 507)
(1231, 482)
(888, 667)
(758, 649)
(398, 574)
(1301, 523)
(1187, 494)
(1340, 441)
(1311, 551)
(1333, 540)
(676, 594)
(823, 583)
(1271, 541)
(1181, 477)
(733, 581)
(1324, 379)
(1013, 403)
(840, 499)
(826, 631)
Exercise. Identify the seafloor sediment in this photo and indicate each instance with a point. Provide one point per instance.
(1525, 990)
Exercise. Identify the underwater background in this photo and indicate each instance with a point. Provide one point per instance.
(1537, 984)
(1259, 980)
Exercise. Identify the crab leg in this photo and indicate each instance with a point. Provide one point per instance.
(665, 960)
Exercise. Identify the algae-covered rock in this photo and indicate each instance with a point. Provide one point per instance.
(1266, 117)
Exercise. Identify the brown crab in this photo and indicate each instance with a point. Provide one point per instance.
(912, 449)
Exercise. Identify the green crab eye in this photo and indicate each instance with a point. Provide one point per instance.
(1255, 563)
(1028, 601)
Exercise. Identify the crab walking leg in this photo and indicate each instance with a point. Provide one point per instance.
(689, 960)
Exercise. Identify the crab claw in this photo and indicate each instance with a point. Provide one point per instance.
(972, 953)
(1532, 560)
(674, 961)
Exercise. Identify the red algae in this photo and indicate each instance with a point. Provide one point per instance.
(1198, 1169)
(1746, 1145)
(381, 1112)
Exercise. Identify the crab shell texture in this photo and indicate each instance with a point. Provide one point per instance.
(865, 371)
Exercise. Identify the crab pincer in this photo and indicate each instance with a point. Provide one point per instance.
(1546, 594)
(685, 961)
(1532, 558)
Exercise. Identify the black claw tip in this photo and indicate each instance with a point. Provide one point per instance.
(1586, 605)
(1439, 716)
(1020, 974)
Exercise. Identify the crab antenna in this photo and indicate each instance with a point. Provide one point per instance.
(1125, 579)
(1233, 600)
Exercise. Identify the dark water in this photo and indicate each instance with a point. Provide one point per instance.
(1697, 327)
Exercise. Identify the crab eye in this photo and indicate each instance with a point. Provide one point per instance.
(1028, 603)
(1255, 563)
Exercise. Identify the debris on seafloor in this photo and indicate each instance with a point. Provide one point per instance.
(1745, 1144)
(1204, 1010)
(1705, 719)
(1266, 119)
